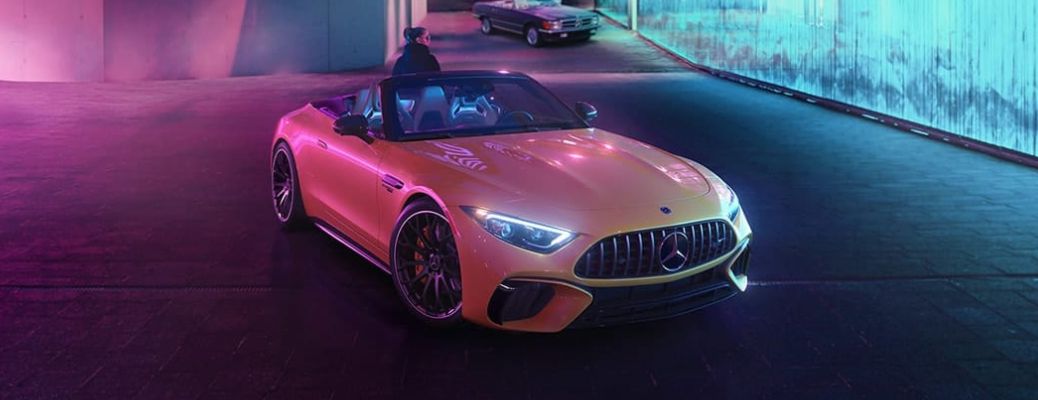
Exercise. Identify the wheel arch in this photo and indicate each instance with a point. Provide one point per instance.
(424, 193)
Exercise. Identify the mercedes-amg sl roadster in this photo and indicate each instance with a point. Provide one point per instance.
(488, 200)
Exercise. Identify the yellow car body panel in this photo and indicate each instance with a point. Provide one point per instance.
(591, 182)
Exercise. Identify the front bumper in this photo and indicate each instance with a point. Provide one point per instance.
(568, 34)
(509, 288)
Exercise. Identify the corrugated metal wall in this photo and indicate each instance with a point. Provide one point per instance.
(969, 67)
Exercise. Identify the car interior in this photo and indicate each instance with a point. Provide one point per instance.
(430, 108)
(437, 107)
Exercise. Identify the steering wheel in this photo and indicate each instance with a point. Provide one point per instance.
(468, 118)
(518, 117)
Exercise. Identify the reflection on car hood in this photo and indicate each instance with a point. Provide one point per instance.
(574, 169)
(557, 12)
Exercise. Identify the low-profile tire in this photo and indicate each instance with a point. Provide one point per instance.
(287, 199)
(533, 36)
(425, 266)
(486, 27)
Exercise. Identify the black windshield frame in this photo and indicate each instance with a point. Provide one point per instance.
(391, 121)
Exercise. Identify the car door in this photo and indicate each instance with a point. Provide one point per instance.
(507, 17)
(351, 178)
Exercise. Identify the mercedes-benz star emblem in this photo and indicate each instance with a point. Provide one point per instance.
(665, 210)
(673, 251)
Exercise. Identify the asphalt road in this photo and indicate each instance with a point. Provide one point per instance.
(139, 257)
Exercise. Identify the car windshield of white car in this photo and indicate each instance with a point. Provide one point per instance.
(479, 106)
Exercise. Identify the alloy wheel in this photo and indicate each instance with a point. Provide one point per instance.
(427, 266)
(283, 185)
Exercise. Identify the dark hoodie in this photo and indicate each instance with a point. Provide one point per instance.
(416, 59)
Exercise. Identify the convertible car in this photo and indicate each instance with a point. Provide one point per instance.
(488, 200)
(537, 20)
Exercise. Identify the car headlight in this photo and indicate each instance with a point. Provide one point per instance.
(525, 234)
(595, 20)
(552, 25)
(730, 201)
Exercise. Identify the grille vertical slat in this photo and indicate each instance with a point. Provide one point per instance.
(616, 256)
(693, 248)
(652, 252)
(656, 267)
(708, 241)
(701, 242)
(640, 259)
(627, 255)
(601, 257)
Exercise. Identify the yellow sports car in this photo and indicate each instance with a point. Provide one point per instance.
(490, 201)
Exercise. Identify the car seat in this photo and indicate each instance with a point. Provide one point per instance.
(472, 111)
(362, 105)
(431, 110)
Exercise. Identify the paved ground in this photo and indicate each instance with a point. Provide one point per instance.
(139, 257)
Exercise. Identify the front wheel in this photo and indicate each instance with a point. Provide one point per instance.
(425, 265)
(533, 37)
(486, 26)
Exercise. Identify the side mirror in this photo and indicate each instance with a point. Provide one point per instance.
(352, 125)
(586, 111)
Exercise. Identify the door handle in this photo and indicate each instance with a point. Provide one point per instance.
(322, 144)
(391, 182)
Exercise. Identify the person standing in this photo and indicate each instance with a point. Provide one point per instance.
(417, 57)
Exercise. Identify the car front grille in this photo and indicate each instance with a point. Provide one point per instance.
(578, 22)
(636, 254)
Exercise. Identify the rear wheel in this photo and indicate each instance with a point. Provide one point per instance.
(425, 265)
(288, 201)
(533, 36)
(486, 27)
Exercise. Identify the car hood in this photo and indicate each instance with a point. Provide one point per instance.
(573, 169)
(557, 12)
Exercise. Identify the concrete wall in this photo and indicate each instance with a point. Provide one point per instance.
(128, 40)
(153, 39)
(49, 40)
(419, 10)
(400, 15)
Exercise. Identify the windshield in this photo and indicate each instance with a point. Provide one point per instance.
(536, 3)
(475, 106)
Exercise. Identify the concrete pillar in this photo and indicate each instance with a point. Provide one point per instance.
(632, 11)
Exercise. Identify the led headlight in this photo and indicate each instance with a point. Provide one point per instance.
(730, 201)
(733, 207)
(520, 233)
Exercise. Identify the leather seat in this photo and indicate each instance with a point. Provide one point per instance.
(431, 110)
(404, 109)
(362, 106)
(473, 111)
